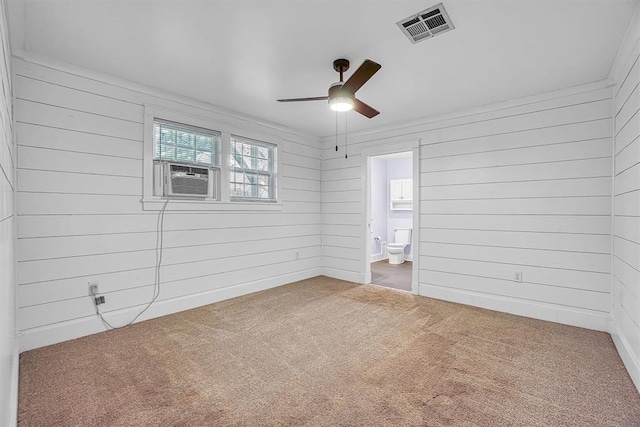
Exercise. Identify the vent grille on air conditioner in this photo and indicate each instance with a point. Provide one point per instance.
(426, 24)
(186, 181)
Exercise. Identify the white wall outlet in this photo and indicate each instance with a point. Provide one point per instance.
(517, 276)
(93, 288)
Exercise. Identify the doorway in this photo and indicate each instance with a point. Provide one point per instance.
(391, 221)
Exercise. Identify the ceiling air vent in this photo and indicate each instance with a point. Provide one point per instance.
(426, 24)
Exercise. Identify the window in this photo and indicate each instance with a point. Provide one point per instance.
(180, 145)
(252, 167)
(185, 144)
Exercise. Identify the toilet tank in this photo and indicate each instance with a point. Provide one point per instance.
(403, 235)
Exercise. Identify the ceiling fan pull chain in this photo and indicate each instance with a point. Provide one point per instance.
(345, 135)
(336, 131)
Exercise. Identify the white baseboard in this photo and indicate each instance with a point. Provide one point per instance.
(378, 257)
(349, 276)
(537, 310)
(51, 334)
(13, 393)
(630, 361)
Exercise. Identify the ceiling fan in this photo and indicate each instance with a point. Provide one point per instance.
(341, 95)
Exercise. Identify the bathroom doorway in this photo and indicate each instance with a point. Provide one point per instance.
(391, 218)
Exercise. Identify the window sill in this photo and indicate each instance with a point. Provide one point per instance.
(156, 204)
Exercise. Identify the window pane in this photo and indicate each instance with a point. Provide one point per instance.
(237, 190)
(263, 165)
(179, 142)
(250, 162)
(203, 157)
(204, 142)
(185, 139)
(167, 135)
(167, 152)
(263, 192)
(185, 154)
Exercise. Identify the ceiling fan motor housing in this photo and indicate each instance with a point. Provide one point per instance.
(335, 91)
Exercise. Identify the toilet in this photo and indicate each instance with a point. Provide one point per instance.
(402, 238)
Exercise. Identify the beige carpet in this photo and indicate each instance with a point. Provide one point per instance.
(323, 352)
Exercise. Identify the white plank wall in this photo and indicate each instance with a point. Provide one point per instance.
(626, 224)
(80, 216)
(8, 346)
(523, 186)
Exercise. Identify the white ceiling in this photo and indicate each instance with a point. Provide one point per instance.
(243, 55)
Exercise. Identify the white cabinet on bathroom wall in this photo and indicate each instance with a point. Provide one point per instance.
(401, 194)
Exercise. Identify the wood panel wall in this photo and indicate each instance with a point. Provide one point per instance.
(8, 347)
(523, 186)
(626, 222)
(80, 217)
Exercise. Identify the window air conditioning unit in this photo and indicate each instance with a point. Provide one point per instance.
(186, 181)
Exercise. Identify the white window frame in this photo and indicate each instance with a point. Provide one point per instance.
(273, 173)
(151, 202)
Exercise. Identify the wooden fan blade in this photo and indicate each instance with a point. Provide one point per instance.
(364, 109)
(362, 74)
(317, 98)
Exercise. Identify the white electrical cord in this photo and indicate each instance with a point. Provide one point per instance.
(156, 283)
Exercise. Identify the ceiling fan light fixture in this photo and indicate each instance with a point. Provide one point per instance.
(341, 103)
(341, 95)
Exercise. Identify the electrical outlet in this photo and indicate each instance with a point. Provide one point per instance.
(93, 288)
(517, 276)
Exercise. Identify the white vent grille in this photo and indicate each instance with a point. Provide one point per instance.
(426, 24)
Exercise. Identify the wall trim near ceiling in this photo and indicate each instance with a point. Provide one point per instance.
(626, 49)
(626, 354)
(468, 116)
(47, 62)
(59, 332)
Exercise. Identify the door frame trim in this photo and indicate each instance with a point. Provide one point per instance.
(379, 150)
